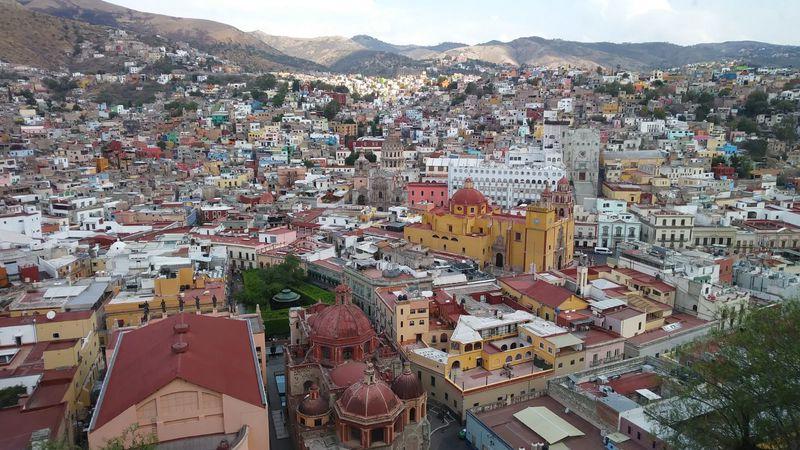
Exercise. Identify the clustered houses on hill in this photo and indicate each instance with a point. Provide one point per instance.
(454, 242)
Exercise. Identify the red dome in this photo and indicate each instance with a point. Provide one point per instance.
(370, 398)
(407, 385)
(468, 195)
(341, 322)
(348, 373)
(313, 404)
(563, 180)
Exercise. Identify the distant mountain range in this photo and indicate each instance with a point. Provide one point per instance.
(365, 54)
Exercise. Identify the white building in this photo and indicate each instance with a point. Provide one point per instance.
(506, 184)
(29, 224)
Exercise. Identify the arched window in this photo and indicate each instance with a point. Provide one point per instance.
(508, 359)
(513, 345)
(468, 348)
(503, 347)
(518, 357)
(527, 354)
(443, 338)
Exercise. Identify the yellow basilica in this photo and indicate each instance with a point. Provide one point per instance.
(540, 240)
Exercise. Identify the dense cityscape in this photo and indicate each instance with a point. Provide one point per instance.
(210, 246)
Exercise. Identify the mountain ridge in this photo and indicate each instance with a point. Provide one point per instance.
(213, 37)
(260, 51)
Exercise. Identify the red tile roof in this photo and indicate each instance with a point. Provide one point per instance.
(541, 291)
(16, 424)
(219, 357)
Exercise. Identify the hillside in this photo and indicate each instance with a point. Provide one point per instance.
(324, 50)
(648, 55)
(38, 39)
(207, 35)
(375, 63)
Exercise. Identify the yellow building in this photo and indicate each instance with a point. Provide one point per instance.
(406, 314)
(169, 296)
(630, 193)
(542, 239)
(497, 357)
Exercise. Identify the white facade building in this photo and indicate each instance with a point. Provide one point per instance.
(505, 184)
(29, 224)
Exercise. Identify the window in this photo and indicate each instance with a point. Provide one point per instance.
(56, 335)
(560, 365)
(433, 380)
(446, 396)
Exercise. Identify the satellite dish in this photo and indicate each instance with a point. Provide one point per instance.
(50, 315)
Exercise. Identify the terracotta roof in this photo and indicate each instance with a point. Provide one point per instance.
(348, 373)
(407, 386)
(218, 356)
(16, 424)
(541, 291)
(370, 398)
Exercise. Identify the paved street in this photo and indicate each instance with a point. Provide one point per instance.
(444, 433)
(275, 365)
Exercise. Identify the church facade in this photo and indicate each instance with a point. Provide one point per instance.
(540, 240)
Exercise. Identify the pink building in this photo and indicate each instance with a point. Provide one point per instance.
(431, 192)
(278, 236)
(190, 378)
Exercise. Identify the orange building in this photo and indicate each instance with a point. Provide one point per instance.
(190, 378)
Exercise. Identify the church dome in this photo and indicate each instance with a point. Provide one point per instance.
(407, 386)
(468, 200)
(342, 321)
(563, 181)
(313, 404)
(370, 398)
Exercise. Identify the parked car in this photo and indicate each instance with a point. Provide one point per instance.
(603, 251)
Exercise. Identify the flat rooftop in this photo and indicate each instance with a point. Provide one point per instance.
(518, 435)
(479, 377)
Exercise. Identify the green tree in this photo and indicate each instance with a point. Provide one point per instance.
(659, 113)
(743, 165)
(786, 131)
(740, 389)
(784, 106)
(331, 109)
(259, 285)
(280, 97)
(295, 85)
(755, 104)
(10, 396)
(471, 88)
(701, 112)
(756, 148)
(342, 89)
(350, 160)
(746, 125)
(264, 82)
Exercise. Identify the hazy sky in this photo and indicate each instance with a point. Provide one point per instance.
(474, 21)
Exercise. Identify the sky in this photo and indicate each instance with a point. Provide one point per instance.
(427, 22)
